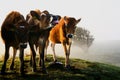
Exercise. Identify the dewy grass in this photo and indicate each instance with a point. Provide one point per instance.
(80, 70)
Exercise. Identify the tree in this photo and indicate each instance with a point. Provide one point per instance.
(83, 37)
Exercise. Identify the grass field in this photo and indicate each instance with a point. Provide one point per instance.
(80, 70)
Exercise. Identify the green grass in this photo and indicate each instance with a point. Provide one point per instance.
(81, 70)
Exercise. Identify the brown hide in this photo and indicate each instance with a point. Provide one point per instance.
(63, 33)
(39, 33)
(11, 26)
(14, 32)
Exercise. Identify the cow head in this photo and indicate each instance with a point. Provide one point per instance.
(55, 19)
(21, 33)
(70, 26)
(42, 20)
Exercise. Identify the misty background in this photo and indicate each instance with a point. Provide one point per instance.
(100, 17)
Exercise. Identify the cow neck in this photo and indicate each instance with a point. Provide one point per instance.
(63, 26)
(62, 23)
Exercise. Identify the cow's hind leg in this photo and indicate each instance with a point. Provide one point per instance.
(31, 59)
(6, 56)
(53, 49)
(13, 59)
(45, 57)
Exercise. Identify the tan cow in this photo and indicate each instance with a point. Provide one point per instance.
(63, 33)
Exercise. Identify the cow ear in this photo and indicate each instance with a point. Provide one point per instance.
(78, 21)
(35, 15)
(66, 20)
(59, 17)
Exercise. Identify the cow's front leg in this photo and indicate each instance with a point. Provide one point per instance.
(33, 57)
(41, 53)
(6, 56)
(66, 55)
(13, 59)
(21, 56)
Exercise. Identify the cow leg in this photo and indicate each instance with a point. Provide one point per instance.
(21, 56)
(13, 59)
(5, 58)
(67, 55)
(53, 49)
(41, 53)
(33, 57)
(47, 43)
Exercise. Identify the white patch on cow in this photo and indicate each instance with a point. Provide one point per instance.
(70, 40)
(51, 18)
(43, 14)
(30, 18)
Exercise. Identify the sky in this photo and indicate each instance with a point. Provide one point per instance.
(100, 17)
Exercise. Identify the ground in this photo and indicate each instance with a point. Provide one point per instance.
(80, 70)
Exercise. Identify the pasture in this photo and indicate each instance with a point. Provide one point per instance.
(81, 70)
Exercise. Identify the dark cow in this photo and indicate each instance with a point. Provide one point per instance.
(55, 19)
(63, 33)
(38, 36)
(14, 32)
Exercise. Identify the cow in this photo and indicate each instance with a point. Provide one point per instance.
(55, 21)
(40, 22)
(63, 33)
(14, 32)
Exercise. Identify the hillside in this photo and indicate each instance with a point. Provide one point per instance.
(81, 70)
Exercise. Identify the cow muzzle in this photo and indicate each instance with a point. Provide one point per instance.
(23, 45)
(69, 35)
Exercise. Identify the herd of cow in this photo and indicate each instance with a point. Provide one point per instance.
(38, 29)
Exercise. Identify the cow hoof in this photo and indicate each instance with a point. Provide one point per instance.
(44, 72)
(47, 60)
(68, 67)
(55, 61)
(34, 70)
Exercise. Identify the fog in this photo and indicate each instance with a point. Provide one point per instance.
(100, 51)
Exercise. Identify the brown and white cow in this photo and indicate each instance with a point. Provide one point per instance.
(63, 33)
(14, 32)
(38, 36)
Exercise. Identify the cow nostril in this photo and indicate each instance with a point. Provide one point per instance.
(70, 35)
